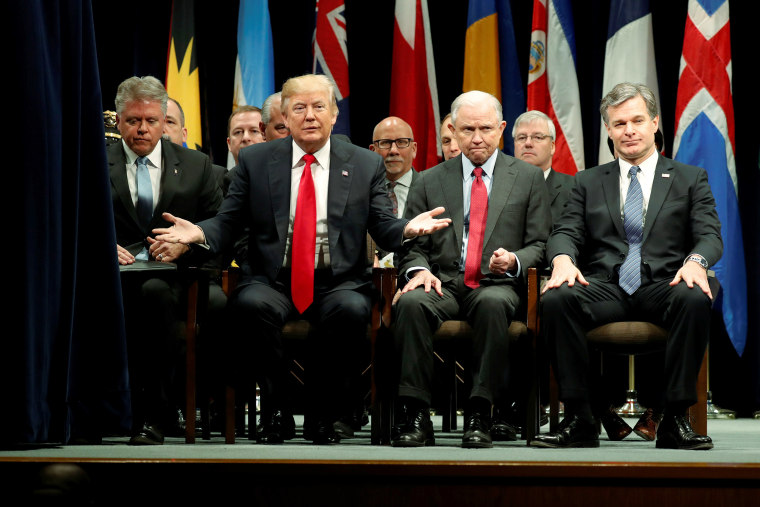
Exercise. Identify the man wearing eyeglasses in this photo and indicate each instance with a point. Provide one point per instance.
(393, 140)
(473, 270)
(534, 136)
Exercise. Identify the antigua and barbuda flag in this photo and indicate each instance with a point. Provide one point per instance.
(705, 138)
(553, 81)
(629, 55)
(182, 81)
(331, 55)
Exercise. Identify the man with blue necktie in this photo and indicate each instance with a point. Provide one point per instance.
(634, 243)
(150, 176)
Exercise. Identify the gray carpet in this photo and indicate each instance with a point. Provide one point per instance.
(736, 441)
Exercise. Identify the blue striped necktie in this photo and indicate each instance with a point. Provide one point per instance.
(633, 223)
(144, 205)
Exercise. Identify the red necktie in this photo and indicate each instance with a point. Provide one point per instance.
(478, 216)
(304, 240)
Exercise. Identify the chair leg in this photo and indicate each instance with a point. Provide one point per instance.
(229, 415)
(698, 411)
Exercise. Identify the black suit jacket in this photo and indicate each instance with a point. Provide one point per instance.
(259, 196)
(189, 190)
(680, 219)
(519, 218)
(559, 186)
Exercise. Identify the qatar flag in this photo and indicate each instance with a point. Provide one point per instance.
(414, 94)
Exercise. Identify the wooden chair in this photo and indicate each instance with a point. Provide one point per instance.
(632, 338)
(383, 386)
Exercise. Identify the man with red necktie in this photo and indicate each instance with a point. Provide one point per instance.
(309, 200)
(500, 215)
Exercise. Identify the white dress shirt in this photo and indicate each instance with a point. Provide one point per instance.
(154, 169)
(646, 179)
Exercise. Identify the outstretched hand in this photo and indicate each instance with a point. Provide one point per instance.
(182, 231)
(426, 223)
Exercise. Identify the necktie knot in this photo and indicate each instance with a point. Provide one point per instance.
(142, 161)
(392, 184)
(478, 172)
(633, 171)
(309, 159)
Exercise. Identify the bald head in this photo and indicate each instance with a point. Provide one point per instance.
(385, 141)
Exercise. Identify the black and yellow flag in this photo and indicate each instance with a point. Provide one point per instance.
(182, 69)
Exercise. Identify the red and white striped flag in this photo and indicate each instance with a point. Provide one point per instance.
(414, 93)
(553, 82)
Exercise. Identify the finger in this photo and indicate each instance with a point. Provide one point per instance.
(676, 279)
(438, 287)
(169, 217)
(436, 211)
(427, 284)
(581, 279)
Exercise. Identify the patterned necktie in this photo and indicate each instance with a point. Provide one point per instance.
(633, 223)
(304, 240)
(144, 206)
(478, 216)
(392, 196)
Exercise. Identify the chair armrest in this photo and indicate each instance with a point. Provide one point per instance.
(385, 283)
(230, 279)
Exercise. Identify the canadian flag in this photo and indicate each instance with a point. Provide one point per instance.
(414, 93)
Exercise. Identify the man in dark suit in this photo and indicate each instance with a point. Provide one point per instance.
(150, 176)
(534, 134)
(634, 242)
(476, 269)
(309, 200)
(398, 160)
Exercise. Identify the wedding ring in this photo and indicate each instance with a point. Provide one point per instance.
(160, 256)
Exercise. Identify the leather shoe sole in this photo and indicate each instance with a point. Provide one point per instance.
(476, 440)
(409, 440)
(149, 435)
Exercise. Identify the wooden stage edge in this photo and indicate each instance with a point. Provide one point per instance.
(371, 483)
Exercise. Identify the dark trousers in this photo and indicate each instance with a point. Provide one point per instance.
(568, 312)
(340, 317)
(418, 315)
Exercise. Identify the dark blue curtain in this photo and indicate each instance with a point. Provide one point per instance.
(63, 357)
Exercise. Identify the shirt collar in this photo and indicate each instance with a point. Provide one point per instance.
(488, 165)
(322, 155)
(154, 156)
(647, 166)
(405, 180)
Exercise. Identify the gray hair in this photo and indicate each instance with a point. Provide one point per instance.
(625, 91)
(266, 107)
(472, 98)
(140, 88)
(533, 115)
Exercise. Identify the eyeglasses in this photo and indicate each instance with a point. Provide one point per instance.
(401, 142)
(522, 138)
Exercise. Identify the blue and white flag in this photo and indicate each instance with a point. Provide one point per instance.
(629, 55)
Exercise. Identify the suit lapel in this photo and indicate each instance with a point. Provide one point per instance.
(279, 172)
(338, 187)
(611, 186)
(553, 186)
(118, 172)
(504, 176)
(451, 186)
(170, 177)
(660, 188)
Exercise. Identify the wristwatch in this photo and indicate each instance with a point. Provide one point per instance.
(699, 260)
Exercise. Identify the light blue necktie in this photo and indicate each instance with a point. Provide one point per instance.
(144, 205)
(633, 223)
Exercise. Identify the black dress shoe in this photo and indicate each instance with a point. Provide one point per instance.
(477, 432)
(614, 425)
(343, 428)
(502, 431)
(675, 432)
(148, 435)
(323, 433)
(277, 428)
(416, 431)
(572, 432)
(646, 426)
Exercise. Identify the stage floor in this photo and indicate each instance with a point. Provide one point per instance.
(736, 441)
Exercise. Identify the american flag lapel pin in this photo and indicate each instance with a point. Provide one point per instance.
(344, 173)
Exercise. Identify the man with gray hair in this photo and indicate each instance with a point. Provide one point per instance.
(151, 176)
(475, 270)
(273, 124)
(634, 243)
(534, 134)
